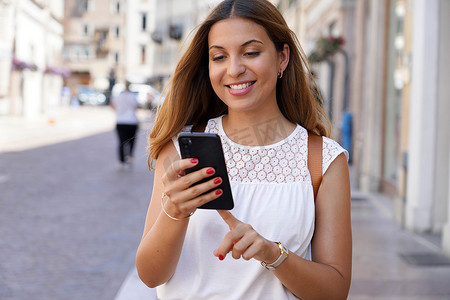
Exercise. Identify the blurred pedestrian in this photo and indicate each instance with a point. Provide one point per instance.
(74, 100)
(243, 77)
(125, 105)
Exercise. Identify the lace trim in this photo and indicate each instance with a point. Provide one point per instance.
(330, 150)
(284, 162)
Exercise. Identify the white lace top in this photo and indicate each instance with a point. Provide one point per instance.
(272, 191)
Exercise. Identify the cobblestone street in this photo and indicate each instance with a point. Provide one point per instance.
(70, 222)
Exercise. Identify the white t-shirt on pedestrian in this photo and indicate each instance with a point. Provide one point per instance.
(125, 105)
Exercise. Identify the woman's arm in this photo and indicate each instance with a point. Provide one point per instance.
(328, 275)
(158, 253)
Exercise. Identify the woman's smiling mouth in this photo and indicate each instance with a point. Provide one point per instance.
(241, 88)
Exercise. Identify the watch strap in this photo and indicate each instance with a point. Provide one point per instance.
(284, 252)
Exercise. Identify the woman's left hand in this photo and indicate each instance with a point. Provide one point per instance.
(243, 241)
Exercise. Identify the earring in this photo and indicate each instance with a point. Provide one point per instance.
(280, 74)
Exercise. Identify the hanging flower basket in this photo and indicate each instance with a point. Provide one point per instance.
(325, 48)
(57, 71)
(19, 65)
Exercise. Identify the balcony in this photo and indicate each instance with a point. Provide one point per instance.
(102, 43)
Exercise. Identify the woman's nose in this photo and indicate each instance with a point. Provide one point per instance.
(235, 67)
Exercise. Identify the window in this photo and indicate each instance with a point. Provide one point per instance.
(115, 31)
(118, 7)
(86, 30)
(81, 7)
(115, 6)
(66, 53)
(144, 22)
(85, 5)
(116, 58)
(143, 54)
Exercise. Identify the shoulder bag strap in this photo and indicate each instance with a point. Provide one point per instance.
(315, 160)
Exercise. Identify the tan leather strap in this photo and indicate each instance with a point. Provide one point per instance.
(315, 160)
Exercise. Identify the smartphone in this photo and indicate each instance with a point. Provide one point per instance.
(207, 148)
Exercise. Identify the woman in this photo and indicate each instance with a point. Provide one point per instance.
(243, 76)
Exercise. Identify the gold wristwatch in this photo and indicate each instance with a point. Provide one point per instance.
(284, 252)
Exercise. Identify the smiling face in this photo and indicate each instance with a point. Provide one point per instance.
(243, 65)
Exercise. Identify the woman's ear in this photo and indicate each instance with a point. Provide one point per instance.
(284, 57)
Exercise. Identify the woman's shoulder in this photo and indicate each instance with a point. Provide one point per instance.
(211, 127)
(169, 153)
(211, 124)
(330, 151)
(187, 128)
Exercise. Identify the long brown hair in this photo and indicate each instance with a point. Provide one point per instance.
(190, 99)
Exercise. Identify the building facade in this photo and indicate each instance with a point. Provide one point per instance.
(402, 109)
(7, 20)
(134, 40)
(173, 26)
(398, 56)
(31, 42)
(318, 26)
(94, 42)
(140, 48)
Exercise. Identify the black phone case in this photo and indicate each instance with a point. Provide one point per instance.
(207, 148)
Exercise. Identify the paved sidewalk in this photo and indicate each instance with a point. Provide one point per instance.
(67, 123)
(384, 267)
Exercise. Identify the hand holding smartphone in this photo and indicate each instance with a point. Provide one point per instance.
(207, 148)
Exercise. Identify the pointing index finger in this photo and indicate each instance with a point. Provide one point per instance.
(228, 218)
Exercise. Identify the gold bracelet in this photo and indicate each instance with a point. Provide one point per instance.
(173, 218)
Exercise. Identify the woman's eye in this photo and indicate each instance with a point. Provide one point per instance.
(255, 53)
(217, 58)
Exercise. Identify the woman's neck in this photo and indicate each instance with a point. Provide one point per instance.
(257, 129)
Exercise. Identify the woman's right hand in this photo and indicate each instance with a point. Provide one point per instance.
(182, 196)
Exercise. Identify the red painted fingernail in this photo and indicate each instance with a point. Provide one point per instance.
(217, 180)
(221, 257)
(194, 160)
(219, 192)
(210, 171)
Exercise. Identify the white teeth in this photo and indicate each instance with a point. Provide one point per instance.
(240, 86)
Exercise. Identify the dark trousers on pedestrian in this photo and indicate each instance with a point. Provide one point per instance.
(127, 137)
